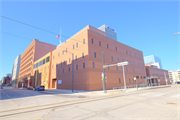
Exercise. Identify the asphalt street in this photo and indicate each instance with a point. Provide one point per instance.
(154, 104)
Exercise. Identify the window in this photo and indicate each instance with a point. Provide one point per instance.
(118, 59)
(116, 48)
(58, 71)
(138, 64)
(126, 69)
(130, 62)
(122, 60)
(34, 65)
(107, 46)
(69, 60)
(77, 45)
(63, 70)
(76, 57)
(61, 63)
(93, 64)
(47, 59)
(129, 80)
(63, 52)
(69, 69)
(82, 55)
(52, 66)
(66, 50)
(119, 80)
(112, 58)
(121, 68)
(99, 43)
(133, 69)
(116, 67)
(58, 54)
(44, 61)
(137, 77)
(37, 64)
(142, 65)
(139, 56)
(76, 67)
(83, 41)
(134, 63)
(64, 62)
(129, 53)
(53, 57)
(73, 46)
(83, 65)
(126, 52)
(141, 77)
(108, 66)
(135, 54)
(133, 80)
(94, 54)
(92, 41)
(40, 63)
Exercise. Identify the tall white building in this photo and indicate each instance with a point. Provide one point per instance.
(109, 32)
(153, 60)
(174, 75)
(16, 67)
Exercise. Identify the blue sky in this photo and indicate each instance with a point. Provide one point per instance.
(145, 25)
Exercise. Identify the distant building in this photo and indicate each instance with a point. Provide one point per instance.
(153, 60)
(109, 32)
(16, 67)
(7, 79)
(174, 75)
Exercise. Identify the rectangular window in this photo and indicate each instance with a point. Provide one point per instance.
(58, 71)
(82, 55)
(116, 48)
(63, 52)
(66, 50)
(58, 54)
(94, 54)
(76, 57)
(141, 77)
(138, 64)
(107, 46)
(133, 69)
(92, 41)
(122, 60)
(73, 46)
(40, 63)
(126, 52)
(93, 64)
(130, 62)
(69, 69)
(77, 45)
(129, 80)
(52, 66)
(117, 59)
(53, 57)
(47, 59)
(99, 43)
(112, 58)
(142, 65)
(121, 68)
(129, 53)
(76, 67)
(63, 70)
(44, 61)
(119, 80)
(61, 63)
(139, 56)
(64, 62)
(83, 41)
(126, 69)
(137, 77)
(116, 67)
(34, 65)
(83, 65)
(135, 54)
(69, 60)
(108, 66)
(133, 80)
(134, 63)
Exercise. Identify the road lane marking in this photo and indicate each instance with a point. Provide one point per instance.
(6, 94)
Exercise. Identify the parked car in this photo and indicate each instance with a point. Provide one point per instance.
(30, 88)
(1, 86)
(39, 88)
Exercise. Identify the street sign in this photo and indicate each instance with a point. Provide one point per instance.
(123, 63)
(102, 75)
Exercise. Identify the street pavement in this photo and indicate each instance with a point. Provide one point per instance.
(152, 104)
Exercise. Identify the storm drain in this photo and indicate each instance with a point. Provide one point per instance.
(81, 96)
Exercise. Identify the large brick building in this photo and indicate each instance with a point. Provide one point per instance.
(87, 46)
(34, 51)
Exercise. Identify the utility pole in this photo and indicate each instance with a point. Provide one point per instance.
(72, 72)
(104, 82)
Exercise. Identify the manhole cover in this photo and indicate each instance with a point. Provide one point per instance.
(81, 96)
(172, 103)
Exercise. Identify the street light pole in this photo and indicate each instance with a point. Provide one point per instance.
(165, 77)
(124, 79)
(104, 82)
